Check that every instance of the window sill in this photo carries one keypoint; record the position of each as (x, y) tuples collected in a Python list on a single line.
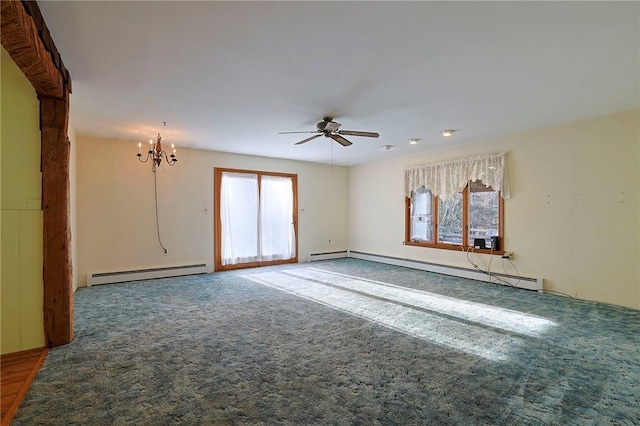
[(454, 247)]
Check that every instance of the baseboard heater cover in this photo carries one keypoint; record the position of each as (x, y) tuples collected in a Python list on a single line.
[(535, 284), (328, 255), (145, 274)]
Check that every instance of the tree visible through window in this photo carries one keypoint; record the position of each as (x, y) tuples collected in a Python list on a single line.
[(450, 227), (484, 212)]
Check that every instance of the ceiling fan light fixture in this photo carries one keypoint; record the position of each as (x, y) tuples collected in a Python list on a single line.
[(413, 141), (387, 147), (447, 132), (330, 126)]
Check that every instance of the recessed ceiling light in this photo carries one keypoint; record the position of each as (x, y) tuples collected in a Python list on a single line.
[(413, 141), (387, 147), (447, 132)]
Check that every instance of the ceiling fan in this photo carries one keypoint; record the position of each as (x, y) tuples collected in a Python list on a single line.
[(330, 129)]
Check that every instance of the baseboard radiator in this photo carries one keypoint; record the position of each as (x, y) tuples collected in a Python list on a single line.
[(535, 284), (145, 274), (328, 255)]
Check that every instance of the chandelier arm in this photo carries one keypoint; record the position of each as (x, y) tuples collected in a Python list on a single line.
[(170, 159), (146, 159)]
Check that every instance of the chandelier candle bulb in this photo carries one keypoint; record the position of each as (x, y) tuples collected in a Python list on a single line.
[(139, 148)]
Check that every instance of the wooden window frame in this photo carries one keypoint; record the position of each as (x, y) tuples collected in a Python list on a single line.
[(465, 227), (217, 181)]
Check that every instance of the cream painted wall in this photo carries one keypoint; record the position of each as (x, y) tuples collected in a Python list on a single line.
[(572, 218), (116, 227), (21, 286), (73, 202)]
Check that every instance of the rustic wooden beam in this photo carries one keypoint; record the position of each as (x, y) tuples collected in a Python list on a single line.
[(57, 270), (26, 38), (21, 37)]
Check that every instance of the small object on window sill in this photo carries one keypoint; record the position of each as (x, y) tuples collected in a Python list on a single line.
[(479, 243)]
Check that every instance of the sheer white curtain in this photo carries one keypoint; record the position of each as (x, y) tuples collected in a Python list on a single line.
[(277, 233), (239, 217)]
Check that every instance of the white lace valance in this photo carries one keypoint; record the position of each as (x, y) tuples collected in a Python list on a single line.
[(447, 178)]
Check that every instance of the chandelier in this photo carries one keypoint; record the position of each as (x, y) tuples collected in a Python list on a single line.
[(156, 154)]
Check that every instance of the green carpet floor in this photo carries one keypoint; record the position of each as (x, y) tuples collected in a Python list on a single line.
[(342, 342)]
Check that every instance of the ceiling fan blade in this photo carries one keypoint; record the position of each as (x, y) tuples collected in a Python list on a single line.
[(356, 133), (288, 133), (342, 141), (308, 139)]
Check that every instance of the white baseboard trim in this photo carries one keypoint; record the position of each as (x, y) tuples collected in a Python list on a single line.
[(328, 255), (535, 284), (145, 274)]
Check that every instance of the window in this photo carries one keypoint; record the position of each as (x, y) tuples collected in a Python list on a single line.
[(449, 220), (455, 223), (421, 216), (484, 213)]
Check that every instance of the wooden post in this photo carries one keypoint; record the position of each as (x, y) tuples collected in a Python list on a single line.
[(26, 38), (57, 270)]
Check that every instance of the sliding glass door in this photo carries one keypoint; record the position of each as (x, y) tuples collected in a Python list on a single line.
[(255, 220)]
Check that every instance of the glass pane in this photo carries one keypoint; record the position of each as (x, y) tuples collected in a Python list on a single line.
[(239, 217), (421, 216), (483, 212), (450, 220), (277, 233)]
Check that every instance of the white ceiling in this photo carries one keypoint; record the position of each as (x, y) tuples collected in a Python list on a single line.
[(228, 76)]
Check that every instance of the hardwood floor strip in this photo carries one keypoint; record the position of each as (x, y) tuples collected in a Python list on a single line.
[(18, 372)]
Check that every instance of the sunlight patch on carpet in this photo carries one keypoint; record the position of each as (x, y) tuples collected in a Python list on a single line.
[(481, 313), (472, 339)]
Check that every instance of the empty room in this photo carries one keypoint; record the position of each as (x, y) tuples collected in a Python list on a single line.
[(320, 213)]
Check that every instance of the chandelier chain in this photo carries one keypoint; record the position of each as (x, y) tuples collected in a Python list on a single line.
[(155, 190)]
